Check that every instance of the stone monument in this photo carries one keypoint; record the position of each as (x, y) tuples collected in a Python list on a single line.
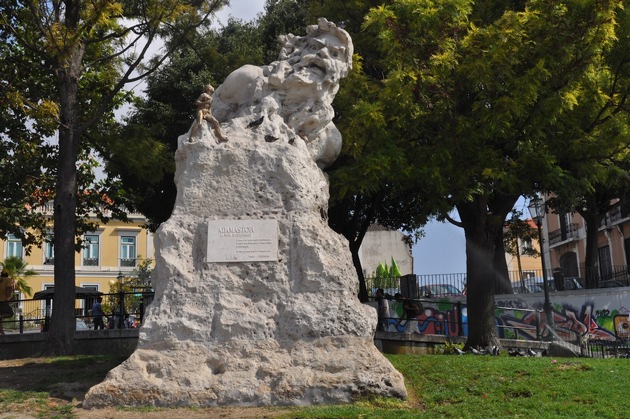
[(255, 296)]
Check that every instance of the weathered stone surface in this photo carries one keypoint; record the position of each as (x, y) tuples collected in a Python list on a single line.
[(285, 332), (293, 96)]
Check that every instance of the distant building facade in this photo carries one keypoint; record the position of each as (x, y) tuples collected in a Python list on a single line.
[(565, 244), (524, 263), (380, 245), (112, 249)]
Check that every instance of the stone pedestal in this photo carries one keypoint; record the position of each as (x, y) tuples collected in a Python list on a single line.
[(285, 332)]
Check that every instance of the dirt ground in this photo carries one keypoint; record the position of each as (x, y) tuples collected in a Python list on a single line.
[(67, 383)]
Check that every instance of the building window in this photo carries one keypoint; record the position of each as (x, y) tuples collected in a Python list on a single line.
[(526, 247), (605, 263), (14, 246), (90, 250), (128, 251), (49, 251), (529, 274)]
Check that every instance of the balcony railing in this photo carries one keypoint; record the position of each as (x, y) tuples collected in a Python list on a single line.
[(90, 261), (616, 215), (563, 234), (128, 263)]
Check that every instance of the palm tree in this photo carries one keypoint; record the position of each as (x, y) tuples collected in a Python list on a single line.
[(16, 268)]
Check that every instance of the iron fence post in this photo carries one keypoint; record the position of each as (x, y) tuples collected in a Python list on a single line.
[(460, 320), (121, 314)]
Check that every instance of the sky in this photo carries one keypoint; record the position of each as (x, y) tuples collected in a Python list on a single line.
[(242, 9)]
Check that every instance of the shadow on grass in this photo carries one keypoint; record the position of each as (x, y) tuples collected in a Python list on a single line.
[(65, 377)]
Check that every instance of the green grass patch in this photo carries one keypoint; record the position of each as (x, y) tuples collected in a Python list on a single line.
[(447, 386)]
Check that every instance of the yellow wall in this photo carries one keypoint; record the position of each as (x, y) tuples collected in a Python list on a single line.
[(531, 266), (108, 257)]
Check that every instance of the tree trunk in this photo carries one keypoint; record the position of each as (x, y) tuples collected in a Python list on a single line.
[(591, 258), (502, 284), (480, 244), (363, 293), (351, 218), (62, 327)]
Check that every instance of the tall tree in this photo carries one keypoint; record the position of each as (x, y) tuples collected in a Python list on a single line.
[(593, 145), (27, 160), (88, 51), (476, 88)]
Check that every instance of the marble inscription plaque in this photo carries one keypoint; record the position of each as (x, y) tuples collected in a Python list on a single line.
[(242, 241)]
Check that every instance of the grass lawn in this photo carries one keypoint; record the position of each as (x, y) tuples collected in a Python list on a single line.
[(448, 386)]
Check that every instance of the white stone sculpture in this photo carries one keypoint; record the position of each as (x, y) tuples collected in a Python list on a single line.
[(295, 93), (278, 322)]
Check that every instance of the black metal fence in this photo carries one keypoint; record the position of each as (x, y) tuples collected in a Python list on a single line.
[(619, 348), (419, 286), (531, 281), (34, 315)]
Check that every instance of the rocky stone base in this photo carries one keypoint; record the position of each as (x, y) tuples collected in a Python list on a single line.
[(326, 370)]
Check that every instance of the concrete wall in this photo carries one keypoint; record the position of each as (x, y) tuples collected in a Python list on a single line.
[(94, 342), (601, 314), (380, 246), (593, 314)]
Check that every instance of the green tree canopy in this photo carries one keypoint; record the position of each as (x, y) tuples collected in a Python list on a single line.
[(476, 92), (593, 144)]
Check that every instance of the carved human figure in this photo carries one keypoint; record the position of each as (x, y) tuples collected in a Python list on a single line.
[(309, 73), (303, 84), (204, 112)]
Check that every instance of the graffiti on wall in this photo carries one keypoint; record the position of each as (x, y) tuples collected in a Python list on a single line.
[(571, 323), (441, 318), (519, 319)]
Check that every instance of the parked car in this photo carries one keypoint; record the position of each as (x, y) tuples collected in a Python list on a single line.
[(440, 290), (526, 289), (570, 284)]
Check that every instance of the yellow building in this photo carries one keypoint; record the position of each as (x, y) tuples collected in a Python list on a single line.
[(530, 266), (113, 248)]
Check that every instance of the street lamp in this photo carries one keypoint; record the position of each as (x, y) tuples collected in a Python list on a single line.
[(537, 211), (121, 300)]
